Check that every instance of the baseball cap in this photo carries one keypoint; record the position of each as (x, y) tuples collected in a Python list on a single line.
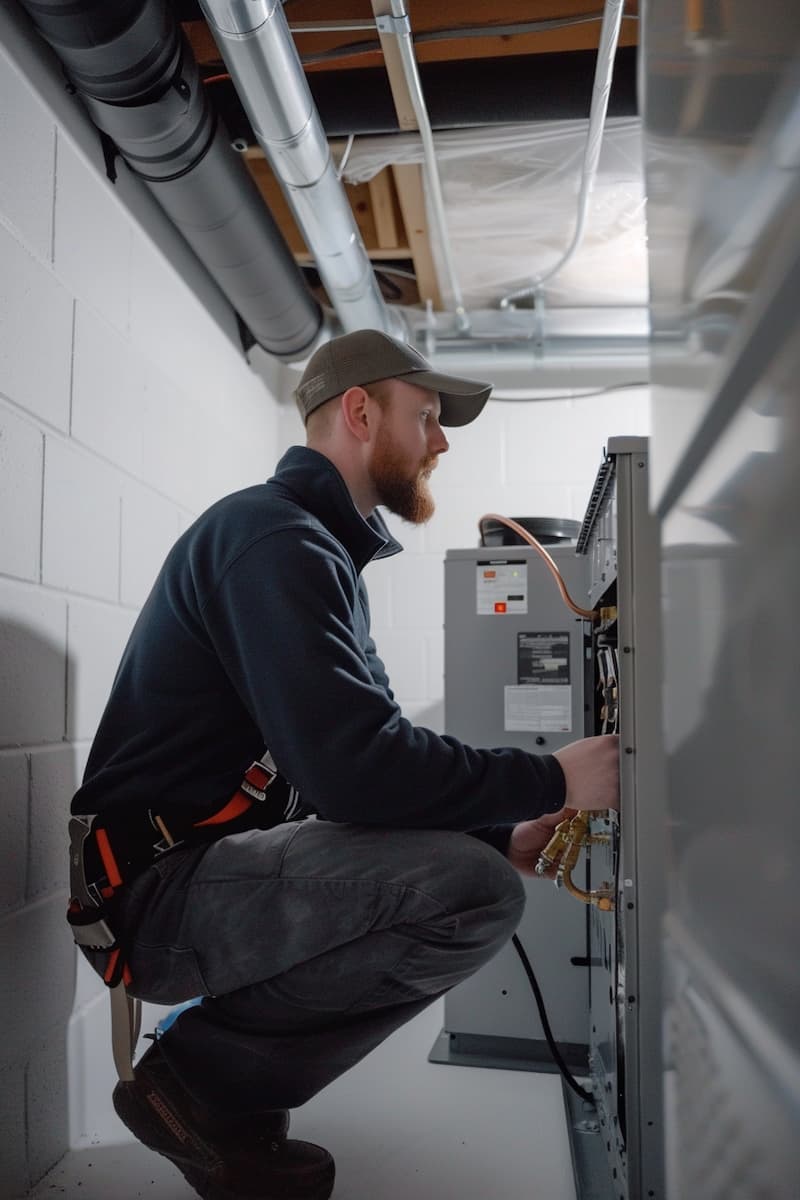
[(366, 356)]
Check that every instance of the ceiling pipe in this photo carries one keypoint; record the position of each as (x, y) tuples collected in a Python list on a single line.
[(137, 77), (254, 40), (518, 372), (398, 25), (604, 70)]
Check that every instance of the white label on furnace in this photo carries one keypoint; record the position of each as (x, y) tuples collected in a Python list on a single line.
[(502, 587), (541, 709)]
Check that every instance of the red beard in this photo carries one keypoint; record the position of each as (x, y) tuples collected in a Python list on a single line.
[(403, 491)]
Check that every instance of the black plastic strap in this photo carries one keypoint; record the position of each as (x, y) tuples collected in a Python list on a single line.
[(110, 152)]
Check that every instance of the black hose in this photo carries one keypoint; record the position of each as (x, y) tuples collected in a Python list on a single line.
[(548, 1033)]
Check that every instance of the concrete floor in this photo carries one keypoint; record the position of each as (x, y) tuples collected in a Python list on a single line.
[(399, 1127)]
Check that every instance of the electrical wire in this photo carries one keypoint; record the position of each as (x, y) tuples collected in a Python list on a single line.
[(589, 614), (343, 160), (569, 1078), (387, 270)]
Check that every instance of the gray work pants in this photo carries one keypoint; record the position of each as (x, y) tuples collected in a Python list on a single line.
[(311, 943)]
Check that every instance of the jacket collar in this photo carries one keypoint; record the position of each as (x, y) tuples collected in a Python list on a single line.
[(312, 480)]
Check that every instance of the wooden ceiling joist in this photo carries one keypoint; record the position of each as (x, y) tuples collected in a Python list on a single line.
[(390, 209), (408, 180)]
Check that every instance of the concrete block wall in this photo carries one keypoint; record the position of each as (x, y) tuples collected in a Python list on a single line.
[(517, 459), (126, 407)]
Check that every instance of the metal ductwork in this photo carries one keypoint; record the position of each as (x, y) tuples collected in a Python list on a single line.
[(259, 52), (139, 80)]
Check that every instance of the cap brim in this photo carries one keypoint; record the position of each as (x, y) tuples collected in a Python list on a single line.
[(462, 399)]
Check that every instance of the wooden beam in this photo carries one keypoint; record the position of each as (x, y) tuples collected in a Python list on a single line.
[(382, 202), (394, 69), (455, 14), (408, 180)]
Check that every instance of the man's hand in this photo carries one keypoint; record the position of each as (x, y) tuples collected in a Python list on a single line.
[(591, 771), (529, 838)]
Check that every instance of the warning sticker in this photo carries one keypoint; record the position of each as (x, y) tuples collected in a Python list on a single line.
[(542, 708), (502, 587), (543, 658)]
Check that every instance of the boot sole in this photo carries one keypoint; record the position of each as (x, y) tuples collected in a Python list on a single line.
[(136, 1115)]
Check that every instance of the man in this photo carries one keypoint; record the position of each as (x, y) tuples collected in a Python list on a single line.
[(310, 939)]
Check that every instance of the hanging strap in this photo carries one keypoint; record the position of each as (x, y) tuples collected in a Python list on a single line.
[(126, 1021)]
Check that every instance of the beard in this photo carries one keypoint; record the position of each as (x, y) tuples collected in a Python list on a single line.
[(403, 491)]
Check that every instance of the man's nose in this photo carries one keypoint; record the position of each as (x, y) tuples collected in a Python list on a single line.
[(439, 442)]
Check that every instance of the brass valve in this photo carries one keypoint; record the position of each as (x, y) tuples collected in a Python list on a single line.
[(563, 851)]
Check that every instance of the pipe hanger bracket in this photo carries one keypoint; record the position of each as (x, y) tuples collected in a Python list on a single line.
[(397, 26)]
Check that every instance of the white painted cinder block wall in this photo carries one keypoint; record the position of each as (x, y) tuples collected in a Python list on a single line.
[(126, 408)]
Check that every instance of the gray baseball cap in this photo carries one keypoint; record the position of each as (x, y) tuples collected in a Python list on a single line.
[(366, 356)]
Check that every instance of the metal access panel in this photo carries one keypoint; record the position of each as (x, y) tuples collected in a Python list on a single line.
[(515, 667), (723, 199), (619, 543)]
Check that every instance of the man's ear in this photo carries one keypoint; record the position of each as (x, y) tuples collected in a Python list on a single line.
[(357, 412)]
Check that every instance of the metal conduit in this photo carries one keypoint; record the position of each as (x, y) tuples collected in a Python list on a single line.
[(137, 76), (606, 51), (399, 25), (259, 52)]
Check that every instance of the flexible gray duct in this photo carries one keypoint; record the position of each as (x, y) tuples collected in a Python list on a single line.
[(135, 72)]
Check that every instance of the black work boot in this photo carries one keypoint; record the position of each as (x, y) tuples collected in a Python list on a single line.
[(222, 1158)]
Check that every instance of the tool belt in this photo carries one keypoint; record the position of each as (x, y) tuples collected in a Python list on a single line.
[(107, 852)]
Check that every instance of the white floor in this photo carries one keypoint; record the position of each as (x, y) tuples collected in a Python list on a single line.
[(399, 1128)]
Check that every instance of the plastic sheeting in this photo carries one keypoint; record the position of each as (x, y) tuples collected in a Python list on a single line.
[(511, 201)]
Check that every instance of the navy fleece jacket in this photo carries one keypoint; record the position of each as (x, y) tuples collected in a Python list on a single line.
[(256, 634)]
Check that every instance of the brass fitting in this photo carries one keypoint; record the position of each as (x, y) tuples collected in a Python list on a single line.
[(554, 848), (563, 850)]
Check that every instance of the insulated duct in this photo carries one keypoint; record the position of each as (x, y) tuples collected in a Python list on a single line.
[(136, 75), (255, 42)]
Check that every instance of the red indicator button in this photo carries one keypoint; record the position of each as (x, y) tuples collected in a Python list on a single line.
[(500, 606)]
